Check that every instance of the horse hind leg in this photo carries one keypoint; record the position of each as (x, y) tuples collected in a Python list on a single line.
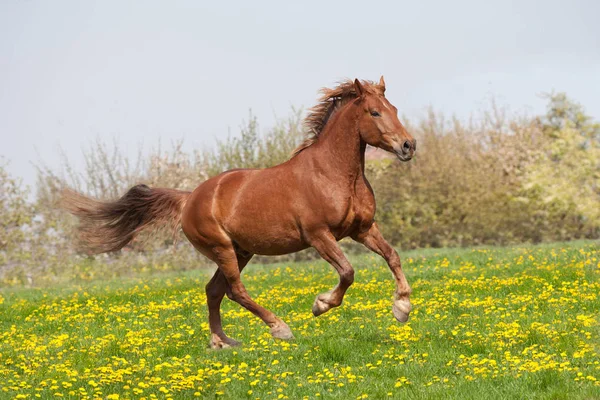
[(228, 263), (216, 288)]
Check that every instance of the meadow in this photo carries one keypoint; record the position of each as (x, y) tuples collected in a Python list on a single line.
[(500, 323)]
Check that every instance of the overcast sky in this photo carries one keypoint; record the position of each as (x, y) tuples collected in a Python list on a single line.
[(142, 70)]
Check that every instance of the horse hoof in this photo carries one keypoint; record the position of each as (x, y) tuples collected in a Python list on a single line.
[(401, 310), (321, 305), (218, 343), (281, 331)]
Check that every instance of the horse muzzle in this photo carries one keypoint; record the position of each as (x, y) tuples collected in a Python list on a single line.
[(406, 150)]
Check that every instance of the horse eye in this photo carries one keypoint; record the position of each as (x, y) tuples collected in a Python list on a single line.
[(375, 114)]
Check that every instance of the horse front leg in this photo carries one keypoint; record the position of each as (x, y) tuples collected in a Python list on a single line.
[(330, 251), (374, 241)]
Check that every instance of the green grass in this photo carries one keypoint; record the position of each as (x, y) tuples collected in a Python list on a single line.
[(494, 323)]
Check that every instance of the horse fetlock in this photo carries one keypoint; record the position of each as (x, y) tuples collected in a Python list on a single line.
[(401, 309)]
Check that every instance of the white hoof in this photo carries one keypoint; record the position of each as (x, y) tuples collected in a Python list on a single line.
[(401, 310), (321, 304), (281, 331)]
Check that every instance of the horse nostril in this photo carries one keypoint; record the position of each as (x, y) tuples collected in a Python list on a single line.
[(406, 146)]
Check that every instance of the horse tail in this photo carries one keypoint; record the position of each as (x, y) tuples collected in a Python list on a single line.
[(109, 226)]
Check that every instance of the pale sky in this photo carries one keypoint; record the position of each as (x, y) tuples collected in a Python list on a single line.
[(141, 71)]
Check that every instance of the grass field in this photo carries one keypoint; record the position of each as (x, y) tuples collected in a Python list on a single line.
[(494, 323)]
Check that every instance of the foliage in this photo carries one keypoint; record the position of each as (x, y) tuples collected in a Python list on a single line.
[(494, 181), (564, 179), (16, 218), (251, 150)]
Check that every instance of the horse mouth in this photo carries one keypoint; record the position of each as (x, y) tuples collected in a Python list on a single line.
[(404, 157)]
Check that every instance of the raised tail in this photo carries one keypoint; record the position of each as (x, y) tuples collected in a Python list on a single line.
[(109, 226)]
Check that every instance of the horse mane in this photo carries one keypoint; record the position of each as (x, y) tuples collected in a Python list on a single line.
[(330, 101)]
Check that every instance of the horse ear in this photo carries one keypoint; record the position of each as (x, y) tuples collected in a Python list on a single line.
[(382, 83), (358, 87)]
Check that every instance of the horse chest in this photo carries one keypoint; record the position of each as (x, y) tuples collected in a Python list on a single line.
[(359, 210)]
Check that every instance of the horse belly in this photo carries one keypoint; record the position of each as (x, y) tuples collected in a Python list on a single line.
[(267, 237)]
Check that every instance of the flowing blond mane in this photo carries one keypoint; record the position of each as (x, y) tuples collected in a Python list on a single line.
[(330, 101)]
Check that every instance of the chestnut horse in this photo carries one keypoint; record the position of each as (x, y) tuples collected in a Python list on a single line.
[(317, 197)]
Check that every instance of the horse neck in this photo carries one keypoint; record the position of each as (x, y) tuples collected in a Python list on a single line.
[(340, 146)]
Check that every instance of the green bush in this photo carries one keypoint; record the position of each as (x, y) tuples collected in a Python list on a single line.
[(16, 216)]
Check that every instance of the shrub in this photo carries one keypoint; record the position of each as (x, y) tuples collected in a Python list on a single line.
[(496, 181)]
